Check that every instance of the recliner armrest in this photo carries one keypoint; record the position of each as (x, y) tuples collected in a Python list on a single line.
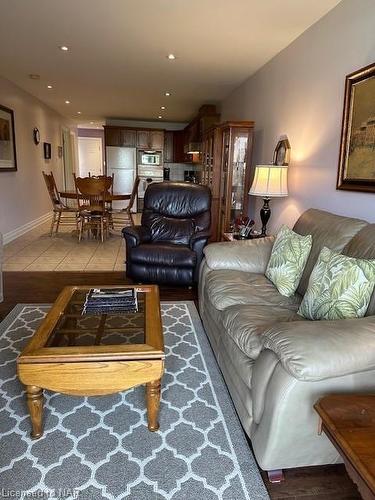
[(199, 237), (242, 255), (197, 243), (318, 350), (136, 235)]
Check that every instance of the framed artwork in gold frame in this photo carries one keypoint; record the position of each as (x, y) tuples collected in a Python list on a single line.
[(8, 158), (356, 170)]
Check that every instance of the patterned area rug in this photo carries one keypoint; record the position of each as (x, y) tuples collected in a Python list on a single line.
[(100, 447)]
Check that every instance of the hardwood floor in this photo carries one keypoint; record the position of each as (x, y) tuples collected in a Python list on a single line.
[(306, 483)]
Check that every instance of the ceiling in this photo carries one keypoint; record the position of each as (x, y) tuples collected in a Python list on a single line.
[(116, 65)]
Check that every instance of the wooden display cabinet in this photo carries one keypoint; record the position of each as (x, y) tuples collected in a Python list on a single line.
[(226, 156), (236, 150), (211, 162)]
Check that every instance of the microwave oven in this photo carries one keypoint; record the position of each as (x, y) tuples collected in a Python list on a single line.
[(153, 158)]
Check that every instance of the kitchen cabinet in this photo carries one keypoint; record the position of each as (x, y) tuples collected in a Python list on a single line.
[(150, 139), (179, 155), (112, 136), (156, 139), (117, 136), (194, 132), (128, 138), (143, 138), (168, 147)]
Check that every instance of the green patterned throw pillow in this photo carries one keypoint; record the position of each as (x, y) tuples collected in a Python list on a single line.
[(339, 287), (288, 259)]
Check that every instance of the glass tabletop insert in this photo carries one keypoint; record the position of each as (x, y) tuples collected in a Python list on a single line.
[(76, 328)]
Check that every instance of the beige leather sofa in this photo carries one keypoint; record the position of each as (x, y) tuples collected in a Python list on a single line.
[(275, 363), (1, 267)]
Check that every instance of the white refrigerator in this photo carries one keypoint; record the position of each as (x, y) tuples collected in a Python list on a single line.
[(122, 163)]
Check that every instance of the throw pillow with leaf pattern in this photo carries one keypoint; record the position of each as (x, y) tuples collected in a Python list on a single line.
[(340, 287), (288, 259)]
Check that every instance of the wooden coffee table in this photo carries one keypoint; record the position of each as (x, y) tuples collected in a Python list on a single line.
[(91, 355), (349, 422)]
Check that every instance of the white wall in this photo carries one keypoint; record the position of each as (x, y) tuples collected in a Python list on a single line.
[(23, 194), (300, 93)]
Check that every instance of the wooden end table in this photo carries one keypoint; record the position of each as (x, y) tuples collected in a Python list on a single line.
[(349, 423), (91, 355), (230, 237)]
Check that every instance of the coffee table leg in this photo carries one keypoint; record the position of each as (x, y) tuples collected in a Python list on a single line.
[(35, 404), (153, 404)]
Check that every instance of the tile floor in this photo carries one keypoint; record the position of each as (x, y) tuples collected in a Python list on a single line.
[(37, 251)]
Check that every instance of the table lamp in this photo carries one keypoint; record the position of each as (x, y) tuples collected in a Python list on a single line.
[(270, 181)]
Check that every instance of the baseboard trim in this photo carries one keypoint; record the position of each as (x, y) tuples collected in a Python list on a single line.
[(19, 231)]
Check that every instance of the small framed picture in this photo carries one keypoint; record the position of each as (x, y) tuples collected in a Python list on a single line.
[(8, 160), (47, 150), (60, 151), (281, 155)]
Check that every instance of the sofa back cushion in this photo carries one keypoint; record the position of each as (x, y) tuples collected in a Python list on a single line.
[(327, 230), (362, 246)]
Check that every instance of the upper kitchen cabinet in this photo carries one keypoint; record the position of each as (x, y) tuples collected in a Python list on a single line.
[(117, 136), (157, 139), (179, 155), (168, 147), (112, 136), (150, 139), (128, 138), (143, 138), (194, 132)]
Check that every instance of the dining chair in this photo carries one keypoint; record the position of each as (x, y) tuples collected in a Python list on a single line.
[(124, 217), (91, 199), (62, 213), (110, 179)]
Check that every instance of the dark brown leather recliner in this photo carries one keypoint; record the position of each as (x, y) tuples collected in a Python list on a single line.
[(168, 247)]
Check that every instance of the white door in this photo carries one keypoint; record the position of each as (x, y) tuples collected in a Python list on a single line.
[(90, 156)]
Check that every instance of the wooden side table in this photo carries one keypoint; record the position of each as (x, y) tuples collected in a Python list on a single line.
[(349, 423)]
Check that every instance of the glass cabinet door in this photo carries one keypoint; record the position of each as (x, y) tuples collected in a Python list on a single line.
[(238, 168)]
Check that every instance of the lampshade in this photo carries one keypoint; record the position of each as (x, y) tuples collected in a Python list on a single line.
[(270, 181)]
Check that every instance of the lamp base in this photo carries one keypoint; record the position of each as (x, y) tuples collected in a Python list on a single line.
[(265, 213)]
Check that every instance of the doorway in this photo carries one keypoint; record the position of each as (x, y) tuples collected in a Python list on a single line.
[(90, 156), (69, 156)]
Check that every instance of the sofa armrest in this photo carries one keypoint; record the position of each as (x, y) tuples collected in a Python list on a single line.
[(318, 350), (247, 255), (136, 235)]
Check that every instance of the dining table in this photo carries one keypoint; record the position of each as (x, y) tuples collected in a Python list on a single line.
[(72, 195)]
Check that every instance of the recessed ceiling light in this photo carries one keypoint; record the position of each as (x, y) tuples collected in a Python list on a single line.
[(91, 123), (171, 57), (49, 86), (162, 107), (34, 76), (79, 113), (160, 117), (67, 102), (167, 94), (64, 48)]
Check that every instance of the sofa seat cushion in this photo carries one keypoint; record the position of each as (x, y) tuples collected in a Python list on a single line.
[(164, 254), (227, 288), (245, 324)]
